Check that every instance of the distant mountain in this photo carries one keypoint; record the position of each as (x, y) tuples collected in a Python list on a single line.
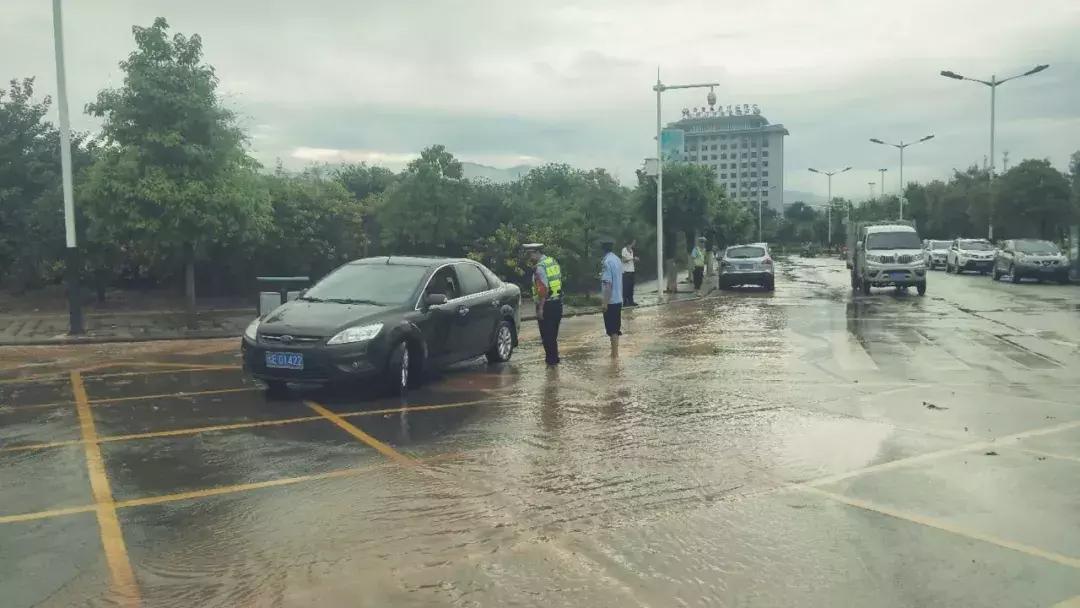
[(791, 196), (493, 174)]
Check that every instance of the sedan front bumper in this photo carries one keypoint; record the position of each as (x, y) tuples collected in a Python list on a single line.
[(901, 277), (321, 363)]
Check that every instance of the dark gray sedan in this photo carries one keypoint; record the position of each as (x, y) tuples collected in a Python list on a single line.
[(1034, 258), (388, 318)]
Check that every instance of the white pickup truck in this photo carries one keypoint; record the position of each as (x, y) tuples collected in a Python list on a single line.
[(886, 254)]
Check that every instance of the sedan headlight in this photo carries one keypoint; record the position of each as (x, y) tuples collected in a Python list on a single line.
[(873, 259), (356, 334), (251, 333)]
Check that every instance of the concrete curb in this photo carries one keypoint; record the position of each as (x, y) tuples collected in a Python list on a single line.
[(65, 340)]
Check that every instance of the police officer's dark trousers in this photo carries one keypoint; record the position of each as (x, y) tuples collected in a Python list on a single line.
[(549, 330)]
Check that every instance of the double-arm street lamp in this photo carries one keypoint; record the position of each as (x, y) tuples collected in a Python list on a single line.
[(71, 257), (828, 207), (993, 84), (660, 88), (900, 146)]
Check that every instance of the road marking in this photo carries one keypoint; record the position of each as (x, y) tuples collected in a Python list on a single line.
[(978, 445), (166, 371), (123, 585), (239, 425), (349, 428), (1046, 454), (109, 401), (7, 519), (930, 522)]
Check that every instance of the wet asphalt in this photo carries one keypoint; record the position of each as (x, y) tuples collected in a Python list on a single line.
[(807, 447)]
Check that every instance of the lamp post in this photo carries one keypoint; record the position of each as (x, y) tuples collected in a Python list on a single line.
[(71, 257), (900, 146), (660, 88), (993, 83), (882, 189), (828, 207), (871, 184)]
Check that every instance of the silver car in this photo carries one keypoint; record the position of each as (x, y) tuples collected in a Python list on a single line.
[(935, 253), (747, 265), (1035, 258)]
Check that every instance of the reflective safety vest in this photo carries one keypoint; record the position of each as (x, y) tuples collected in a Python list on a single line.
[(551, 270)]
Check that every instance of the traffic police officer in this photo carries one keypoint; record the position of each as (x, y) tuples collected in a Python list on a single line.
[(547, 293)]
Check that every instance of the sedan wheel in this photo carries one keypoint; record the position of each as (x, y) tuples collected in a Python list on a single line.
[(397, 370), (503, 348)]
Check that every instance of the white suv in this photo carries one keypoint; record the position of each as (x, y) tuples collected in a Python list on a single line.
[(970, 254)]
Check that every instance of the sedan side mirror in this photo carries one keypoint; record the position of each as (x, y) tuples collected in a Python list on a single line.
[(434, 299)]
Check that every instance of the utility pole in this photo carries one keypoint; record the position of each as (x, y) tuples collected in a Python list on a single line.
[(72, 263), (828, 208), (882, 171)]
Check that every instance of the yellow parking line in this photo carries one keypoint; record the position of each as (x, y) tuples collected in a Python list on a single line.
[(346, 426), (238, 425), (181, 394), (1064, 560), (7, 519), (182, 370), (112, 537)]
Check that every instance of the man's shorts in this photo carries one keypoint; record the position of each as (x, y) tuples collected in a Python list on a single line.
[(613, 319)]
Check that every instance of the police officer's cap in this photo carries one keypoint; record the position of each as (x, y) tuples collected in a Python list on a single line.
[(533, 246)]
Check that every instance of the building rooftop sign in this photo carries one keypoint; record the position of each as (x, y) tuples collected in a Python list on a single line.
[(711, 112)]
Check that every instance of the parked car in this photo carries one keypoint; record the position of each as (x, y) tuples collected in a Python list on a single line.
[(970, 254), (935, 253), (1036, 258), (388, 318), (747, 265)]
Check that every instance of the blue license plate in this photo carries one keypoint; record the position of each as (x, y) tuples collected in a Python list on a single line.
[(898, 276), (285, 360)]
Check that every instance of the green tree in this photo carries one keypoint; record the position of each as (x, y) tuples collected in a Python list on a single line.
[(427, 210), (174, 176), (31, 203), (1033, 198)]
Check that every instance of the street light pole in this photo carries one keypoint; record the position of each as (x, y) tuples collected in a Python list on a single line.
[(993, 83), (882, 190), (900, 146), (828, 206), (71, 258), (660, 87)]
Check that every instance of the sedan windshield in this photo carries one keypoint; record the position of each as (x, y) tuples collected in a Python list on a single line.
[(1040, 247), (976, 246), (380, 284), (939, 244), (893, 240), (742, 253)]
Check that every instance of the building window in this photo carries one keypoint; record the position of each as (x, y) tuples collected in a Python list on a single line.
[(723, 156), (744, 165), (765, 143), (753, 174), (764, 182), (764, 174), (765, 153), (745, 155), (723, 146), (753, 155), (713, 147), (735, 146), (713, 157), (764, 163), (745, 174), (723, 176), (753, 144), (753, 163)]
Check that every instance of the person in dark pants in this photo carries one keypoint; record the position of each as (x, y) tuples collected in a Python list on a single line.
[(628, 262), (697, 258), (611, 291), (547, 294)]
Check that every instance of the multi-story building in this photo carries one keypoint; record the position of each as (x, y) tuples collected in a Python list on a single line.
[(746, 151)]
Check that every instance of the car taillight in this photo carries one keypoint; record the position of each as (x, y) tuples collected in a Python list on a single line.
[(767, 261)]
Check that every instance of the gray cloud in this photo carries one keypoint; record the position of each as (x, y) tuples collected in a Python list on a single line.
[(569, 81)]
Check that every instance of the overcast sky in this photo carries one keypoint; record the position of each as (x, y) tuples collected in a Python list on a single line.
[(504, 83)]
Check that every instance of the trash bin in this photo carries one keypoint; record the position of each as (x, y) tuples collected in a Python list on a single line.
[(285, 289)]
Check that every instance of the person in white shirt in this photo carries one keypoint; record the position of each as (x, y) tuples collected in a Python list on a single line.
[(628, 259)]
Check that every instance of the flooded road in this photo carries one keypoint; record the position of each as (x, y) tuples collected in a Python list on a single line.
[(805, 447)]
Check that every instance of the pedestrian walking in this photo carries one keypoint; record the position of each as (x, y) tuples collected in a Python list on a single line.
[(611, 290), (697, 258), (628, 262), (547, 294)]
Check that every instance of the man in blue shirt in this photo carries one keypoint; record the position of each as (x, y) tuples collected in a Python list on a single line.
[(611, 293)]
